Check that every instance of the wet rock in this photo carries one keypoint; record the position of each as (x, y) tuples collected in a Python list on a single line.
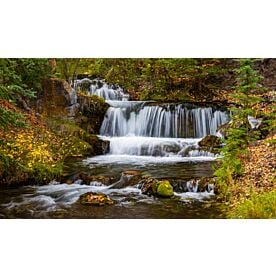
[(148, 185), (106, 180), (99, 146), (92, 111), (223, 129), (151, 186), (254, 122), (129, 200), (164, 189), (210, 143), (206, 184), (128, 178), (70, 179), (185, 150), (194, 185), (96, 199)]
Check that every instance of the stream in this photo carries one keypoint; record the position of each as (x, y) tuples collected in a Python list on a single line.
[(156, 140)]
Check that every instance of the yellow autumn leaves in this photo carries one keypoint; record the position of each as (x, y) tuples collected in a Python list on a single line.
[(27, 147)]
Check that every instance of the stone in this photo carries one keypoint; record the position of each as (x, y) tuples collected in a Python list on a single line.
[(164, 189), (128, 178), (254, 122), (210, 143), (148, 186), (106, 180), (96, 199), (99, 146), (92, 110), (58, 99), (151, 186)]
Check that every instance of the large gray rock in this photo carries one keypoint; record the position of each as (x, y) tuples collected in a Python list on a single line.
[(57, 99)]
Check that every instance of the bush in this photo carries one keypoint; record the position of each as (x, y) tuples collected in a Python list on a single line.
[(257, 206)]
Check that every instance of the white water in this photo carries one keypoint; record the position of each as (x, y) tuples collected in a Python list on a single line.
[(102, 89), (155, 146), (141, 132), (161, 121), (56, 196)]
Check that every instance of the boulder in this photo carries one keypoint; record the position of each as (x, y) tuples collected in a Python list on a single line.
[(128, 178), (151, 186), (92, 110), (164, 189), (106, 180), (96, 199), (57, 99), (210, 143), (200, 184), (99, 146), (148, 185)]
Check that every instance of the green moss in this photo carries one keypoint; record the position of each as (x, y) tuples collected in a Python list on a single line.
[(43, 173), (257, 206), (91, 104), (64, 127), (164, 188)]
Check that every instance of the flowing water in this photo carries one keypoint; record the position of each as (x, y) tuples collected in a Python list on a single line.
[(157, 140)]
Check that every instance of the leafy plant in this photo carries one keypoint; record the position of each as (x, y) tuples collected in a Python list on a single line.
[(238, 135), (20, 79), (256, 206)]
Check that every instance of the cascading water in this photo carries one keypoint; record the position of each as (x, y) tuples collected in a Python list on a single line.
[(142, 128), (100, 88), (172, 121), (150, 139)]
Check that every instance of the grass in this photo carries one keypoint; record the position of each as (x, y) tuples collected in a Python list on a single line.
[(258, 206)]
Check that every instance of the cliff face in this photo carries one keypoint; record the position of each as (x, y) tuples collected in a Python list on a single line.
[(59, 101)]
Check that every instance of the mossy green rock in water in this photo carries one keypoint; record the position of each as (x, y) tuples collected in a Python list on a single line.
[(164, 189), (151, 186), (91, 198)]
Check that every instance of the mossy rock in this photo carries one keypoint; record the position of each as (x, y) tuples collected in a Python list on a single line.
[(91, 198), (210, 141), (164, 188), (151, 186)]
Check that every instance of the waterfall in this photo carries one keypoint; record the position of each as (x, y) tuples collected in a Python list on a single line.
[(162, 121), (143, 128), (102, 89)]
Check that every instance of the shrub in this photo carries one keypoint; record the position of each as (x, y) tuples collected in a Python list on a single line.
[(257, 206)]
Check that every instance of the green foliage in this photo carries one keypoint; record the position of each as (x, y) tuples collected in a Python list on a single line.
[(245, 91), (162, 79), (22, 76), (238, 135), (9, 118), (257, 206), (67, 68), (43, 173), (20, 79)]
